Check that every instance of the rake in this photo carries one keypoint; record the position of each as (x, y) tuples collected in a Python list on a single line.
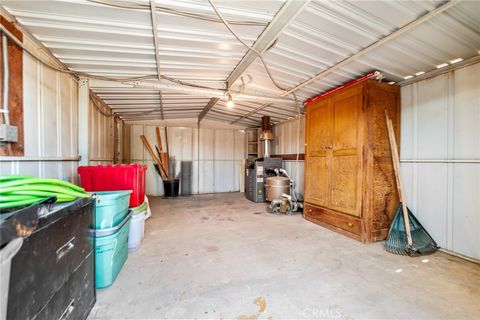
[(406, 235)]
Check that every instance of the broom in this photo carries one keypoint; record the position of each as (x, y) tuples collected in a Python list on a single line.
[(406, 235)]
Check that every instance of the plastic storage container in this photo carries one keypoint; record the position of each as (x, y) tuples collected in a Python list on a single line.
[(111, 251), (6, 255), (137, 226), (111, 208), (115, 177)]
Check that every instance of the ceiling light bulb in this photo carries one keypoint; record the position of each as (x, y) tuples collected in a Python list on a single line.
[(391, 82), (455, 60), (230, 103), (442, 65), (419, 73), (407, 77)]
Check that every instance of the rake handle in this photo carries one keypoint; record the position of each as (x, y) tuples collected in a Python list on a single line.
[(398, 179)]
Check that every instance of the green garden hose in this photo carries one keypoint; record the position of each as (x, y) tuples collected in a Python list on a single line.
[(41, 181), (15, 177), (21, 190), (44, 187), (44, 194)]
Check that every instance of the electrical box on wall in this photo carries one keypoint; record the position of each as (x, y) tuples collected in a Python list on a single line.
[(8, 133)]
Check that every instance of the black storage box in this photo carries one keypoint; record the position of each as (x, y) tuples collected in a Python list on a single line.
[(53, 273)]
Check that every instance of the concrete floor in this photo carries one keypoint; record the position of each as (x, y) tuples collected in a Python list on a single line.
[(221, 257)]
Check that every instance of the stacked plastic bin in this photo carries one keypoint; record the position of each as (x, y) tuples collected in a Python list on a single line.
[(118, 188), (137, 226), (116, 177), (112, 225)]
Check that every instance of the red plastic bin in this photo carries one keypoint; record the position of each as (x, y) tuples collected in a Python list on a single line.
[(115, 177)]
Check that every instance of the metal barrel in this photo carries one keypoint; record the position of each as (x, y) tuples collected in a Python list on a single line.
[(275, 187)]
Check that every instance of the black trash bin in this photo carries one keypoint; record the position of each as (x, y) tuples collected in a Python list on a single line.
[(171, 187)]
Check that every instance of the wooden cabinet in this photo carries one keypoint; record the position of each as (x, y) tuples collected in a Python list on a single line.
[(349, 180)]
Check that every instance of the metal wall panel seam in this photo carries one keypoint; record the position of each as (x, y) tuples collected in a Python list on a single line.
[(58, 123), (40, 119), (415, 146), (450, 166), (214, 159), (234, 173)]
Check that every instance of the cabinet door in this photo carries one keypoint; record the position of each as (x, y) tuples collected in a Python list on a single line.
[(319, 142), (346, 163)]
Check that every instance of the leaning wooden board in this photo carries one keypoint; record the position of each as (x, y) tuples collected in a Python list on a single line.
[(349, 179)]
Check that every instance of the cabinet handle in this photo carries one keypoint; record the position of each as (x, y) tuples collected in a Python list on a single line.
[(329, 147), (66, 248), (68, 311), (350, 224)]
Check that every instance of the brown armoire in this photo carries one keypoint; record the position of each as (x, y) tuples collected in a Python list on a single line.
[(349, 180)]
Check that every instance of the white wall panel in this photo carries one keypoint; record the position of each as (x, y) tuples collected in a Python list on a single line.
[(240, 138), (136, 146), (466, 203), (50, 122), (216, 161), (101, 137), (206, 177), (287, 140), (206, 144), (467, 113), (440, 123), (224, 144)]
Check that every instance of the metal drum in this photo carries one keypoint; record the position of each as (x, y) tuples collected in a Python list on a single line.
[(275, 187)]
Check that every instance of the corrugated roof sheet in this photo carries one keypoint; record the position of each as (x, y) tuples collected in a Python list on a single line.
[(112, 41)]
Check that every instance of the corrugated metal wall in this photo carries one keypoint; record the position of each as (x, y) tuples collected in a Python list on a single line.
[(441, 135), (285, 142), (101, 137), (50, 122), (217, 166)]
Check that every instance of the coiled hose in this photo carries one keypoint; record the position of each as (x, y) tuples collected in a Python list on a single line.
[(22, 190)]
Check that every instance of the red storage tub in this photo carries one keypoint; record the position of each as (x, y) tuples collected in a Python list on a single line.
[(115, 177)]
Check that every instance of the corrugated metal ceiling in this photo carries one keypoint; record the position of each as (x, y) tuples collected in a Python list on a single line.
[(111, 41)]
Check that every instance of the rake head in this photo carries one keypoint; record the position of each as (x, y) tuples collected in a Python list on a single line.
[(396, 242)]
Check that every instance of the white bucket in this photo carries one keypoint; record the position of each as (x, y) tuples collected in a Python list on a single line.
[(137, 229)]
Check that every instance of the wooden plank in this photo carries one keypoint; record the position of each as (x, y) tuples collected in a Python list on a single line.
[(15, 60), (152, 153)]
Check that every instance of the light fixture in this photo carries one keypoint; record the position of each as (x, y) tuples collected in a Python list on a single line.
[(455, 60), (230, 103), (419, 73), (407, 77), (391, 82), (442, 65)]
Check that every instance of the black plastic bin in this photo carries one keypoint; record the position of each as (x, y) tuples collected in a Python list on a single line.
[(171, 188), (54, 269)]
